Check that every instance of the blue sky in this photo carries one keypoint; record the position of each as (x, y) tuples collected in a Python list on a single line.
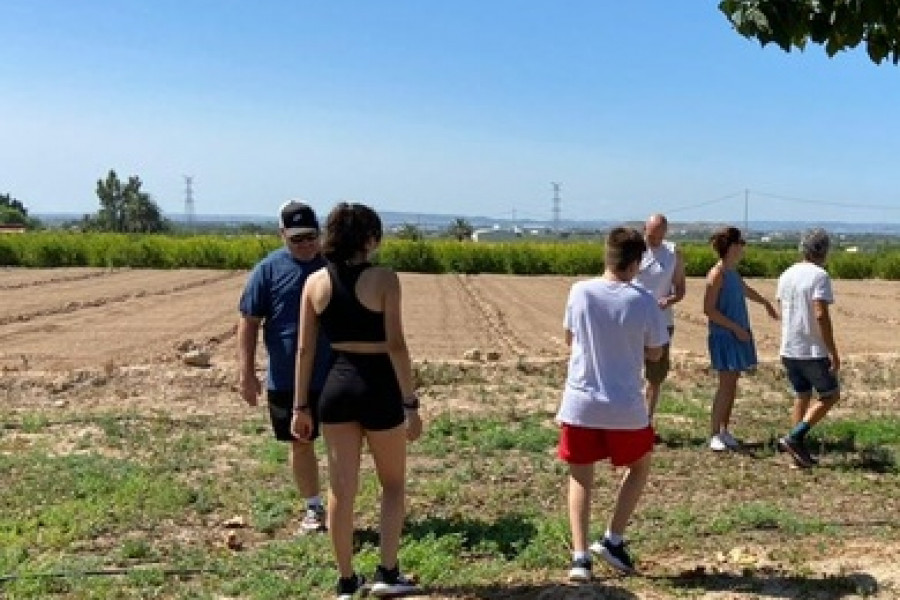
[(470, 107)]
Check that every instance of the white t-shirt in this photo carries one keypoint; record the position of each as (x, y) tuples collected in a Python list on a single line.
[(656, 273), (798, 287), (611, 323)]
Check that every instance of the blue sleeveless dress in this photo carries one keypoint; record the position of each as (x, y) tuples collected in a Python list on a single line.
[(726, 352)]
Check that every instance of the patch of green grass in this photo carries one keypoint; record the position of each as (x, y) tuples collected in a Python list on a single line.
[(80, 496), (487, 501), (34, 423), (485, 434), (271, 509), (762, 516), (861, 432)]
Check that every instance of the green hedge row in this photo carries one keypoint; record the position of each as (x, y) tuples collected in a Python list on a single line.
[(54, 249)]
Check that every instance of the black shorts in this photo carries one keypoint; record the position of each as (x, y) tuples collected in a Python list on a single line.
[(362, 388), (281, 411)]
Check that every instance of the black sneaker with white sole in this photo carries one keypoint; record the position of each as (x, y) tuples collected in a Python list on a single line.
[(797, 450), (347, 587), (391, 583), (580, 571), (615, 556)]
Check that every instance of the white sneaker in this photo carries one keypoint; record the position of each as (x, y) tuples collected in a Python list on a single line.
[(314, 521), (729, 440), (716, 444)]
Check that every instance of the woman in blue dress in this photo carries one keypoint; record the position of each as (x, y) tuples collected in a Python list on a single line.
[(731, 347)]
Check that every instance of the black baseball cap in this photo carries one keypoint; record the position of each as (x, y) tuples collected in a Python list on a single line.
[(297, 218)]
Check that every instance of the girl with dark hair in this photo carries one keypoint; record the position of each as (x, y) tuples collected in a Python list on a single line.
[(368, 396), (731, 346)]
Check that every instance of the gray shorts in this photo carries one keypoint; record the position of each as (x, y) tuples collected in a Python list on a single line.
[(656, 371), (808, 374)]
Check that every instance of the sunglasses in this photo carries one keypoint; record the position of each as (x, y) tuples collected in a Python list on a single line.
[(304, 238)]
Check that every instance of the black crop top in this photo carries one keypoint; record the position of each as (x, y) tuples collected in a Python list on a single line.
[(345, 319)]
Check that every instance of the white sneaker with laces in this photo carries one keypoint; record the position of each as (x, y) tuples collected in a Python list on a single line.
[(716, 444)]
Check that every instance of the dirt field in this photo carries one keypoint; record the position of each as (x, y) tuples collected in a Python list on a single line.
[(90, 339), (63, 319)]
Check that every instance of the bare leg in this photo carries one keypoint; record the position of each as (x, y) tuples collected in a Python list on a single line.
[(305, 468), (344, 443), (819, 409), (389, 451), (724, 401), (651, 394), (581, 479), (630, 490), (801, 405)]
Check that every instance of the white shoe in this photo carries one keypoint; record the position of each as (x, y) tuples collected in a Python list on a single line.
[(729, 440), (716, 444)]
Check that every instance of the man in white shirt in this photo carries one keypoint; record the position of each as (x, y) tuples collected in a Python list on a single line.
[(612, 325), (662, 274), (808, 351)]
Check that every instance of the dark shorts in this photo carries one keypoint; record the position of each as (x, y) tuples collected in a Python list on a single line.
[(281, 411), (362, 388), (585, 445), (656, 371), (807, 374)]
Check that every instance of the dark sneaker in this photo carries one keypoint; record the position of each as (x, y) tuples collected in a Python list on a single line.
[(347, 587), (580, 571), (314, 520), (797, 451), (615, 555), (391, 582)]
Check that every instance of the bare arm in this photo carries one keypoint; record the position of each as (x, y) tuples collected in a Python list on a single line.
[(399, 354), (760, 299), (679, 283), (823, 317), (396, 340), (307, 335), (248, 335)]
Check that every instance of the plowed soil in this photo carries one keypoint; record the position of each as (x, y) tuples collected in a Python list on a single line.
[(52, 320)]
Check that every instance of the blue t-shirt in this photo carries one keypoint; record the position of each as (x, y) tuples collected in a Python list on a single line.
[(273, 293)]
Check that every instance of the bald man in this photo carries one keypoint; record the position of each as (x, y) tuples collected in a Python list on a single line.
[(662, 274)]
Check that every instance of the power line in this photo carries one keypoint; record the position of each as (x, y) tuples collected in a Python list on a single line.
[(706, 203), (824, 202)]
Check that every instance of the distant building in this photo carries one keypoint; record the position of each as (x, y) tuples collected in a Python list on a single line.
[(496, 234), (12, 228)]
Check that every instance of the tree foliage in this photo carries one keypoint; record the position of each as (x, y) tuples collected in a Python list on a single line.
[(460, 229), (409, 232), (835, 24), (125, 208), (13, 212)]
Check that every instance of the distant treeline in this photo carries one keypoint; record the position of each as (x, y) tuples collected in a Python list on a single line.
[(57, 249)]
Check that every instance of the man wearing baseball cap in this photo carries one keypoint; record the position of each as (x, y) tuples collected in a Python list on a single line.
[(271, 301)]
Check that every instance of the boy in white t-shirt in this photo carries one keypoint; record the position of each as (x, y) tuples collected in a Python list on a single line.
[(611, 325), (808, 351)]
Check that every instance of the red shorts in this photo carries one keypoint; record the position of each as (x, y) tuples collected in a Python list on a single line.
[(585, 445)]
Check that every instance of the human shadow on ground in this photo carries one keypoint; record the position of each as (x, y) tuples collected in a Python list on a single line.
[(506, 536), (598, 590), (844, 453), (773, 583)]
